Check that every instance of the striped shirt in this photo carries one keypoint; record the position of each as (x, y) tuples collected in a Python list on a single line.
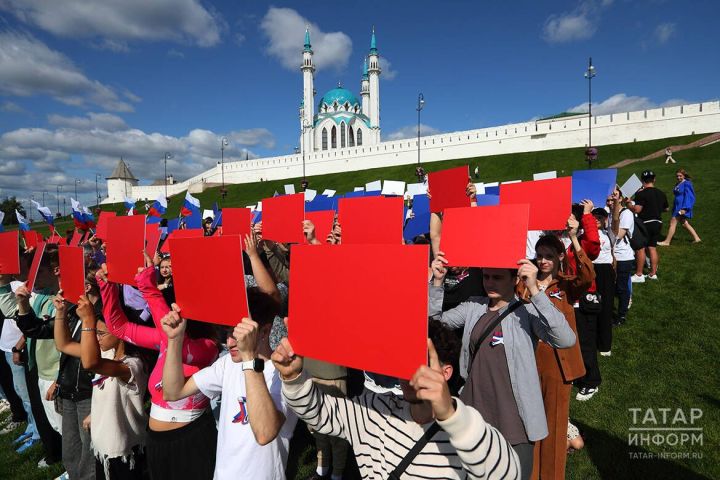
[(381, 431)]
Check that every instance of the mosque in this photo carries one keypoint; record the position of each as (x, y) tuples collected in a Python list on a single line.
[(341, 120)]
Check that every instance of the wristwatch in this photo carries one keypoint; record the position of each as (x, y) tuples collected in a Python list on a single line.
[(16, 350), (256, 365)]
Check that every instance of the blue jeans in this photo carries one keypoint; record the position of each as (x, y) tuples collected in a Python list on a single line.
[(622, 285), (18, 373)]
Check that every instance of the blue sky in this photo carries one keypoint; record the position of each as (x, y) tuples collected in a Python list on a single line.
[(82, 85)]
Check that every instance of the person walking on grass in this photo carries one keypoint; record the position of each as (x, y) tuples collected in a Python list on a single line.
[(682, 207), (668, 154), (649, 204)]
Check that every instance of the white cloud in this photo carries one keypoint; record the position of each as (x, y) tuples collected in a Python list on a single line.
[(664, 32), (578, 24), (12, 107), (388, 73), (172, 53), (285, 30), (116, 22), (411, 131), (621, 102), (102, 121), (29, 67)]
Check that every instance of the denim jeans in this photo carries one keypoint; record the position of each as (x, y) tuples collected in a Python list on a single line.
[(18, 373), (77, 455), (622, 285)]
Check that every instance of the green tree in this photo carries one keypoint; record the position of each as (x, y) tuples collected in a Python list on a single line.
[(8, 206)]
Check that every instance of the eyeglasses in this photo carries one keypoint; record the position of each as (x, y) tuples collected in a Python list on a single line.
[(101, 333)]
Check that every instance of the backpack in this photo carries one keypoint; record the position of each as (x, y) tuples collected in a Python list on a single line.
[(639, 238)]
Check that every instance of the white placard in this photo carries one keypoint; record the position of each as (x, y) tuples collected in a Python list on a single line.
[(310, 194), (512, 181), (359, 189), (259, 207), (393, 187), (289, 189), (208, 213), (630, 187), (373, 186), (544, 175), (416, 189), (480, 188), (328, 193)]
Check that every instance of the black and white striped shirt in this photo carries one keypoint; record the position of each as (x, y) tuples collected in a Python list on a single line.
[(381, 431)]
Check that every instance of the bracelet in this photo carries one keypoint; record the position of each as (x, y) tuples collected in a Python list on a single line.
[(88, 329)]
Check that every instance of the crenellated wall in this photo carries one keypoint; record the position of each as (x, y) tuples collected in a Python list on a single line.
[(532, 136)]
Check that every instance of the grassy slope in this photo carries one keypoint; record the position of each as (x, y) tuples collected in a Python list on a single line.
[(665, 356)]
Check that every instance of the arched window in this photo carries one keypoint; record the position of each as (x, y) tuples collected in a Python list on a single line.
[(351, 136), (359, 137), (342, 135), (333, 137), (324, 138)]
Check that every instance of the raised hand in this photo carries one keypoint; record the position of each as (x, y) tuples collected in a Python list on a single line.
[(309, 231), (59, 304), (251, 246), (572, 226), (101, 273), (587, 205), (85, 308), (287, 363), (173, 324), (430, 385), (471, 189), (245, 334), (527, 272), (439, 269)]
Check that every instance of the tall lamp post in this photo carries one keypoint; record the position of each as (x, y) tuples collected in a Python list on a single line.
[(44, 192), (59, 187), (420, 105), (589, 74), (166, 157), (223, 143), (97, 190), (76, 184)]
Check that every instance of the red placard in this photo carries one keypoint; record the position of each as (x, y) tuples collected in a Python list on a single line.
[(72, 272), (152, 238), (54, 237), (35, 265), (30, 237), (76, 238), (492, 237), (447, 188), (101, 229), (9, 252), (371, 220), (351, 326), (236, 221), (282, 218), (124, 248), (209, 266), (184, 233), (323, 221), (549, 201)]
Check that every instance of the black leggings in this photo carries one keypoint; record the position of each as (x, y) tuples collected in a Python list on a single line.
[(187, 452)]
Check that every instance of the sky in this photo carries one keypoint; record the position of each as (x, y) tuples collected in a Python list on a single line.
[(85, 83)]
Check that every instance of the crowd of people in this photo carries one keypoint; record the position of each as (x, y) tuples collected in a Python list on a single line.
[(117, 384)]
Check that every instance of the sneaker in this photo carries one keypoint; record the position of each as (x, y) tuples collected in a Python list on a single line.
[(619, 322), (606, 354), (652, 277), (663, 244), (10, 427), (64, 476), (4, 406), (27, 445), (637, 278), (585, 394), (22, 438)]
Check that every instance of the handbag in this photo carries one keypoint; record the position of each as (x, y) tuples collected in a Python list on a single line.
[(591, 303)]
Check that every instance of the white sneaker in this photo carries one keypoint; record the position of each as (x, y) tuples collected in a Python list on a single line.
[(43, 463), (652, 277), (586, 394), (10, 427), (637, 278), (606, 354), (64, 476), (4, 406)]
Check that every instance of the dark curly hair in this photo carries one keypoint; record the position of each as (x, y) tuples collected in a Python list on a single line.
[(447, 344)]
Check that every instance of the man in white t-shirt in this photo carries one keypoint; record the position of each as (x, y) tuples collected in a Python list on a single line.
[(623, 226), (255, 424)]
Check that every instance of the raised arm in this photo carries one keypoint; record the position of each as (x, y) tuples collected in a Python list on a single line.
[(27, 321), (590, 241), (175, 385), (63, 340), (264, 280), (147, 284)]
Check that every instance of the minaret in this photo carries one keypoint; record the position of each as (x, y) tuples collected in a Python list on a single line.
[(365, 89), (374, 80), (308, 105)]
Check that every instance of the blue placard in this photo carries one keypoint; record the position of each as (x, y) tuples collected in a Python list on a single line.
[(487, 200), (421, 204), (587, 189), (321, 202), (361, 193), (606, 176), (418, 225)]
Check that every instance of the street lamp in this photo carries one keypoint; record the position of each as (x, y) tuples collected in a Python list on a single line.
[(223, 143), (76, 184), (166, 157), (420, 105), (44, 192), (589, 74), (59, 187), (97, 190)]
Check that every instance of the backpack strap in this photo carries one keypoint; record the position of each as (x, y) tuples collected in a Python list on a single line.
[(414, 451), (513, 306)]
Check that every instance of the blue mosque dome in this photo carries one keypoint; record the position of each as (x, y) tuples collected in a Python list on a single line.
[(339, 95)]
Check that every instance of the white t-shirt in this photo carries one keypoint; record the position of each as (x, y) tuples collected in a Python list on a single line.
[(10, 332), (623, 250), (605, 255), (238, 454)]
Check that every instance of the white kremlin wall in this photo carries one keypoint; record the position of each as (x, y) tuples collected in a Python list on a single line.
[(531, 136)]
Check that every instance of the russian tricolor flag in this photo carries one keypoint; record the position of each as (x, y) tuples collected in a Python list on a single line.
[(78, 217), (45, 212), (191, 206), (88, 217), (158, 207), (22, 221), (2, 217), (130, 206)]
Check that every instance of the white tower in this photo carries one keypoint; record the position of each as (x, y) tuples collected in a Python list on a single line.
[(308, 105), (120, 183), (365, 89), (374, 80)]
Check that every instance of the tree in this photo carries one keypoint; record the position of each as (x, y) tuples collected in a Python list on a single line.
[(8, 206)]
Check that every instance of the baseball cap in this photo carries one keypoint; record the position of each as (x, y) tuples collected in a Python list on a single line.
[(647, 175)]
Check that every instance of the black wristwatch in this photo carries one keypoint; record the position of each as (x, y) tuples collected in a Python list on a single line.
[(15, 350), (256, 365)]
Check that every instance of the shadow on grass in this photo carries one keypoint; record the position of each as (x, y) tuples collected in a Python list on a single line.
[(614, 459)]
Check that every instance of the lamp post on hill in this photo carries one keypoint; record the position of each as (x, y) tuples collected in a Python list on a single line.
[(420, 105), (590, 153), (166, 157), (97, 190), (223, 143), (59, 187), (76, 184)]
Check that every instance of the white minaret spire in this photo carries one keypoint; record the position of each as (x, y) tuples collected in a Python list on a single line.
[(365, 89), (374, 80), (308, 105)]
